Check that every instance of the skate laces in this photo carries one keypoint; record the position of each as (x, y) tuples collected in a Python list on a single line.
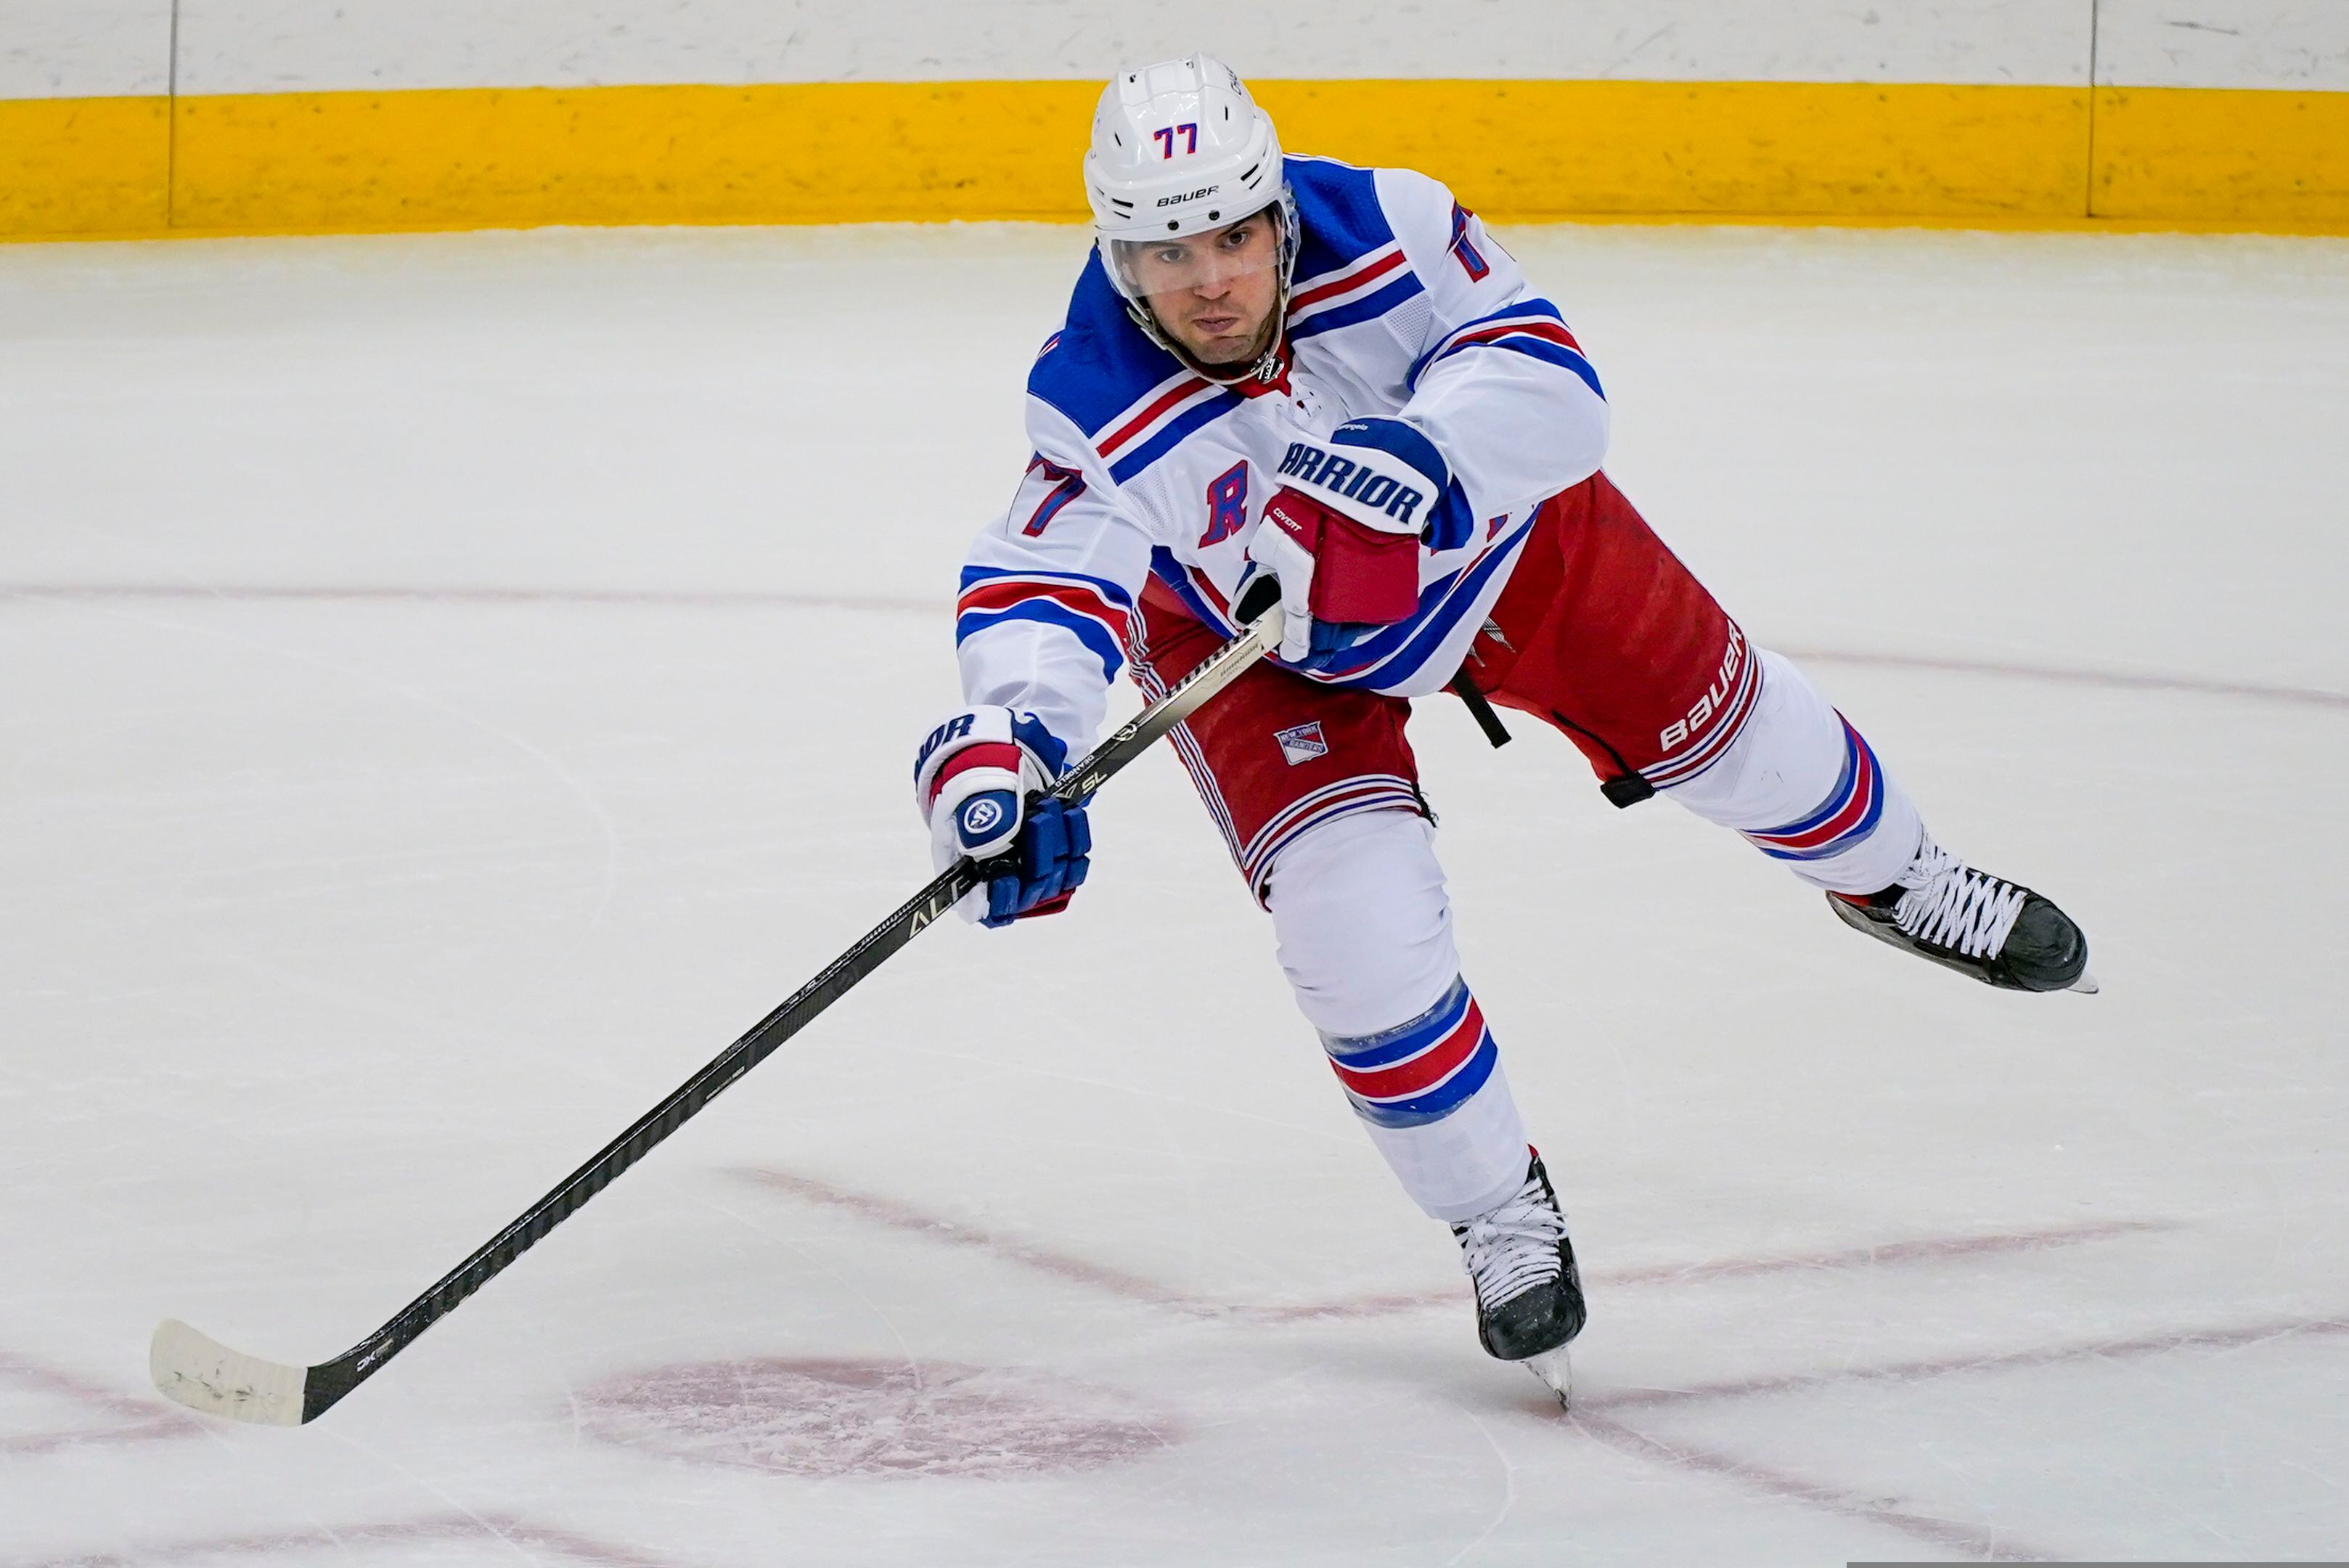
[(1952, 905), (1511, 1249)]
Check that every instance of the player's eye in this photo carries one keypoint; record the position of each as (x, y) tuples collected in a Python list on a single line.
[(1237, 236)]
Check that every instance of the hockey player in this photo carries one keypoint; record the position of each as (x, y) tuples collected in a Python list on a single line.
[(1293, 366)]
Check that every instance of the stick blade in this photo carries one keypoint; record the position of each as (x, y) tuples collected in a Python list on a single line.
[(204, 1375)]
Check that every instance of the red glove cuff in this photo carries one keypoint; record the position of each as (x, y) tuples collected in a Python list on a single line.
[(1359, 574), (1003, 754)]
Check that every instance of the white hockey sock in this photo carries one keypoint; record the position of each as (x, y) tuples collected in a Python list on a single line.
[(1365, 936), (1804, 787)]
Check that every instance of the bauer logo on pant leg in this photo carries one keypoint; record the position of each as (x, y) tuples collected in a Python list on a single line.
[(1303, 743), (1715, 700)]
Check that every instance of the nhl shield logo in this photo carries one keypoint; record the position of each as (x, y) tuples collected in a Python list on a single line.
[(1303, 743)]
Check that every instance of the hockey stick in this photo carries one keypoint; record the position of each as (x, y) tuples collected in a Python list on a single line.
[(205, 1374)]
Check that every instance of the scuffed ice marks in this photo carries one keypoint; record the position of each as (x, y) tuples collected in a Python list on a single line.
[(842, 1418)]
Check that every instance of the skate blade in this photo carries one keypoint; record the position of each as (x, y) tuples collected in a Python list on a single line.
[(1554, 1373), (2085, 985)]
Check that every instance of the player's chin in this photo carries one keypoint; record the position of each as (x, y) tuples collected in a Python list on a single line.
[(1224, 351)]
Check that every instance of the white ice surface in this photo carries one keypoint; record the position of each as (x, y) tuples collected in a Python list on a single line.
[(454, 684)]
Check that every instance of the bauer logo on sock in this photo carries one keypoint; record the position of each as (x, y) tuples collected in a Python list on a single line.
[(1303, 743)]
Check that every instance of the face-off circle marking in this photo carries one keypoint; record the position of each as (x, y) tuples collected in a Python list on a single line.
[(827, 1419)]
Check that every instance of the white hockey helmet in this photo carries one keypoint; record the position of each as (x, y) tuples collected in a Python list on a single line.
[(1180, 148)]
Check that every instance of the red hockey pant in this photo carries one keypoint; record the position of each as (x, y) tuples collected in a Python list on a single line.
[(1601, 632)]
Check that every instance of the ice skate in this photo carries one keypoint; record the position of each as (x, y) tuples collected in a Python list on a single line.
[(2000, 932), (1528, 1293)]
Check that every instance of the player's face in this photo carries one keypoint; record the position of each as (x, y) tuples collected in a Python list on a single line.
[(1213, 293)]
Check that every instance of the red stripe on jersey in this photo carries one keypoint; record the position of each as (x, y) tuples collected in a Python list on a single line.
[(1002, 594), (1539, 327), (1337, 286), (1133, 426), (1207, 590)]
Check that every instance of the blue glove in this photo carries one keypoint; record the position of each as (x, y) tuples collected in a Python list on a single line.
[(978, 783), (1044, 867)]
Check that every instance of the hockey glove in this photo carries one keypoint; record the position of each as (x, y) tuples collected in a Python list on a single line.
[(1343, 535), (976, 782)]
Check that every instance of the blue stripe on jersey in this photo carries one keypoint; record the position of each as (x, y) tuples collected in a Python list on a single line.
[(1541, 348), (1508, 312), (1360, 1053), (1370, 307), (1392, 655), (1172, 433), (1338, 218), (1050, 612), (1169, 571), (974, 575), (1557, 354), (1435, 627)]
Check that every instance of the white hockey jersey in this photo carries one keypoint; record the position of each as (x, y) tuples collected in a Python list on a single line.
[(1401, 307)]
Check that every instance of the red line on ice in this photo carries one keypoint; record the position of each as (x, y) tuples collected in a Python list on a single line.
[(1596, 1414), (1983, 1541), (489, 1527), (143, 1420), (764, 599), (901, 1216), (2155, 1343), (931, 1227)]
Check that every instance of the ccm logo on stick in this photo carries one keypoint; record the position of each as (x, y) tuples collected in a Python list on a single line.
[(1344, 476)]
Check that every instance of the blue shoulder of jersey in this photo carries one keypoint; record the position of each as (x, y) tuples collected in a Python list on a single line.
[(1134, 401), (1099, 363), (1350, 267), (1338, 213)]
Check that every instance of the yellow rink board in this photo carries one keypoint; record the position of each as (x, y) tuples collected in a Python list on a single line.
[(2197, 152), (842, 152), (80, 166)]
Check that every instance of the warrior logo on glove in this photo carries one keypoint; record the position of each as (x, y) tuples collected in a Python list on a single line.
[(981, 817), (1357, 482)]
